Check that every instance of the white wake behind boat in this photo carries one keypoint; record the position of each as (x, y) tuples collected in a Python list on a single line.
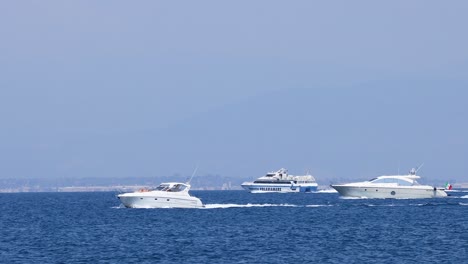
[(281, 181), (166, 195), (394, 186)]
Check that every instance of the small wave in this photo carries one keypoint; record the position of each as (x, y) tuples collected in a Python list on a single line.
[(428, 204), (464, 204), (387, 205), (464, 197), (431, 204), (223, 206), (435, 204), (318, 205)]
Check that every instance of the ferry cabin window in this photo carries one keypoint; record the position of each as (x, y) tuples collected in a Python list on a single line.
[(269, 189)]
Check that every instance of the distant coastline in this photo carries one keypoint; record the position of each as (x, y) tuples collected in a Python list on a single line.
[(130, 188), (99, 189), (107, 184)]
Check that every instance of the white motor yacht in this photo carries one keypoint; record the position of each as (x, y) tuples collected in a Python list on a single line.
[(281, 181), (166, 195), (395, 186)]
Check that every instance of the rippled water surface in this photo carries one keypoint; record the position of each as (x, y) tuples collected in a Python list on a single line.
[(235, 227)]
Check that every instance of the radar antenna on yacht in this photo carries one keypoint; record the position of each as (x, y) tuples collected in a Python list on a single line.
[(413, 171), (193, 174)]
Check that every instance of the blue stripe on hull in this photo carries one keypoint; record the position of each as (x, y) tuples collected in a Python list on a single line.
[(280, 188)]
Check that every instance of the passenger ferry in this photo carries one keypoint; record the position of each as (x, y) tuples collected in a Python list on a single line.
[(281, 181)]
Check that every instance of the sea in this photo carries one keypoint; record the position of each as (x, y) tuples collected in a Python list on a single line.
[(235, 227)]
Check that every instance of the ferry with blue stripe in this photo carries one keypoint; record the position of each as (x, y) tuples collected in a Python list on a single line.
[(281, 181)]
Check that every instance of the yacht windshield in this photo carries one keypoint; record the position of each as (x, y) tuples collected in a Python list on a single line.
[(177, 188), (400, 182), (162, 187)]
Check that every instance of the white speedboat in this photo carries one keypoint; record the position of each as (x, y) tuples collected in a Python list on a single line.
[(395, 186), (281, 181), (166, 195)]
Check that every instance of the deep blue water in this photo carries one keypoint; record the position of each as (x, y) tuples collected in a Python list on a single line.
[(237, 227)]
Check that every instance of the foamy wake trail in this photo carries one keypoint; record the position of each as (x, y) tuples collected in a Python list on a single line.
[(352, 198), (327, 191), (391, 205), (464, 197), (318, 205), (215, 206)]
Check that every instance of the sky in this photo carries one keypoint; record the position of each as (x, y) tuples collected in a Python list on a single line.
[(342, 89)]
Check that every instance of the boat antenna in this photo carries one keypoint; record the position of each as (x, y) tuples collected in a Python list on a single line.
[(194, 171), (413, 171), (419, 167)]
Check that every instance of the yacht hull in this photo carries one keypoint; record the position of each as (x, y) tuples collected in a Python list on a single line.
[(401, 192), (159, 202)]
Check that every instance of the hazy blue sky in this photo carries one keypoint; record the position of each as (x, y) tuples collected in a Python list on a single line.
[(345, 89)]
